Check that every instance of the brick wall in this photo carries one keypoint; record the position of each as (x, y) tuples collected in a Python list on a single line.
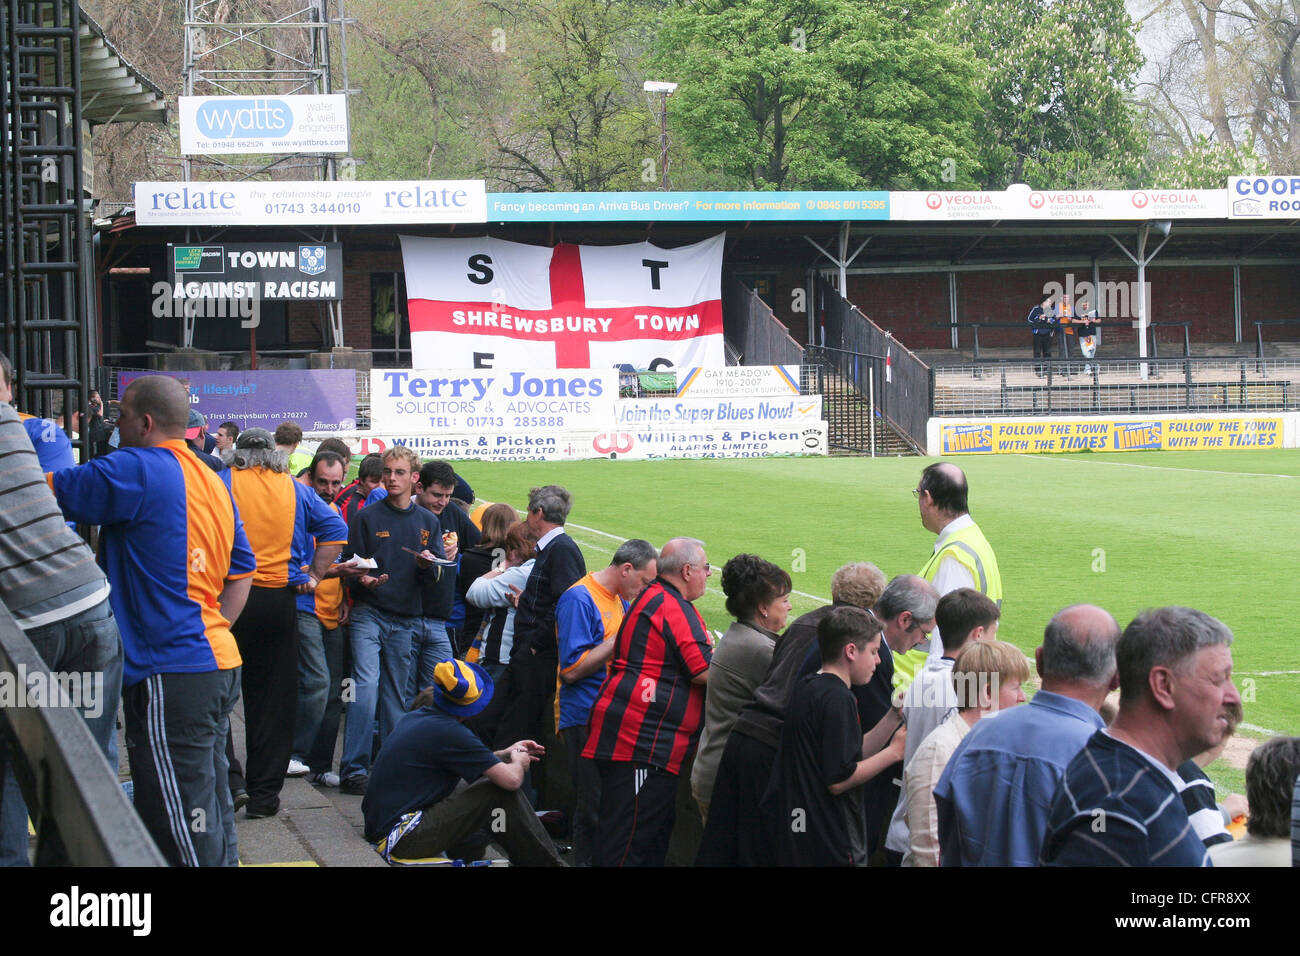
[(1270, 292), (909, 305)]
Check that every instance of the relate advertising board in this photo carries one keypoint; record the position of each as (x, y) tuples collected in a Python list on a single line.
[(637, 444), (265, 270), (264, 124), (486, 401), (756, 381), (320, 400), (491, 303), (1025, 203), (1106, 435), (696, 411), (1264, 197), (377, 202)]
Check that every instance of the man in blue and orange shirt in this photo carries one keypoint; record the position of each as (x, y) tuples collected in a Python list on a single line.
[(180, 566), (587, 619), (53, 450)]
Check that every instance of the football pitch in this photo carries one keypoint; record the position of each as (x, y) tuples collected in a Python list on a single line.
[(1218, 531)]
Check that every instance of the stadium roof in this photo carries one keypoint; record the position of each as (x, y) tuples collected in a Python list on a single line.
[(112, 90)]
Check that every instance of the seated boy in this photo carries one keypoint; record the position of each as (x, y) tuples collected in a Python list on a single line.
[(434, 783)]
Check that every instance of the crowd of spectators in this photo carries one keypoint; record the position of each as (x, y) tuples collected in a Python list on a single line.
[(481, 673)]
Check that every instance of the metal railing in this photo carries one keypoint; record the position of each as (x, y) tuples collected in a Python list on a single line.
[(80, 813), (757, 334), (1077, 387), (902, 384)]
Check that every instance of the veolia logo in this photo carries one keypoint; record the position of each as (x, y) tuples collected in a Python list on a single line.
[(258, 118)]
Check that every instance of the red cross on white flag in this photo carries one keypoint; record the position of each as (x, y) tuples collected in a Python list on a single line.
[(490, 303)]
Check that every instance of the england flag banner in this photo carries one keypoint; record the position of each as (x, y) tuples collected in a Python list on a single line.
[(490, 303)]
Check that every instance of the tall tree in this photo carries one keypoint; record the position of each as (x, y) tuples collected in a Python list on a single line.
[(428, 79), (819, 94), (579, 123), (1057, 99), (1231, 74)]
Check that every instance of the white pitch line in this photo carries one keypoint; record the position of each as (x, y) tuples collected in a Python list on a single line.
[(1260, 730), (1127, 464), (616, 537), (1265, 673)]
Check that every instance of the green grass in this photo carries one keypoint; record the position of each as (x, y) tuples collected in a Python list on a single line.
[(1214, 530)]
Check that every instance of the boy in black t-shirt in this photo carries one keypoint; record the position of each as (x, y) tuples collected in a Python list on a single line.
[(814, 801)]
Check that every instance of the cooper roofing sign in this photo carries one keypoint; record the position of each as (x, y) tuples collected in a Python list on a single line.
[(1264, 197)]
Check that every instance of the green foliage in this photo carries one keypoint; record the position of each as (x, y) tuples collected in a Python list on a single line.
[(819, 94), (582, 125), (1205, 164), (1056, 98), (428, 81)]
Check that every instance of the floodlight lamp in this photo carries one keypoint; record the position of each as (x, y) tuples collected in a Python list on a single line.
[(659, 86)]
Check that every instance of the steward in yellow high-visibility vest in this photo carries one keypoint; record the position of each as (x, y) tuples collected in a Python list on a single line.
[(962, 555), (967, 546)]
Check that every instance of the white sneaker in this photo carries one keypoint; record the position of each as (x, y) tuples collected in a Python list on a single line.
[(324, 779), (297, 768)]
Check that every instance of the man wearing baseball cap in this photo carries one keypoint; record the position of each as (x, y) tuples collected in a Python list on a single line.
[(434, 783), (197, 437)]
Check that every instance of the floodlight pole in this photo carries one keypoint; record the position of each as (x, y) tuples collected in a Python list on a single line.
[(663, 141)]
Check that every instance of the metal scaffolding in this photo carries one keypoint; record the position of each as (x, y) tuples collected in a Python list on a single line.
[(43, 225), (264, 48)]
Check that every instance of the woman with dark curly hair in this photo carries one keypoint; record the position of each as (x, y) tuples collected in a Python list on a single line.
[(758, 597)]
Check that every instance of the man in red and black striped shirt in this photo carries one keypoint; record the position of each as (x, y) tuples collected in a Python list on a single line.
[(646, 720)]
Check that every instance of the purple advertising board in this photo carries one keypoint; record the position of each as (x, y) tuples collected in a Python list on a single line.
[(318, 400)]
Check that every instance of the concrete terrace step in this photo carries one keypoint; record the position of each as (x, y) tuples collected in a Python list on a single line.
[(316, 826)]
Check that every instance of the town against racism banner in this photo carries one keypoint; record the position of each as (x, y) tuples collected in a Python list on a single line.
[(491, 303)]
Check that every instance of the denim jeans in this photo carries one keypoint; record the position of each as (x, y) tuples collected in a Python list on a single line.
[(88, 642), (338, 660), (430, 647), (381, 660), (315, 681)]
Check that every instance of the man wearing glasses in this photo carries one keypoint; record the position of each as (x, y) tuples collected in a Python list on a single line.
[(647, 718), (962, 558)]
